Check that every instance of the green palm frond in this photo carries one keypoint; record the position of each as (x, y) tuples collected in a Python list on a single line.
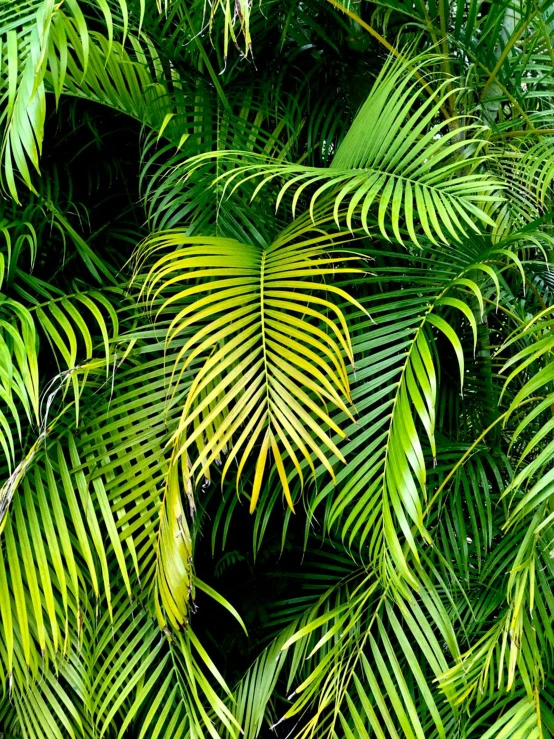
[(521, 720), (353, 657), (20, 380), (510, 652), (66, 504), (530, 487), (133, 81), (59, 54), (255, 125), (413, 169), (27, 37), (66, 520), (69, 509), (124, 679), (70, 324), (383, 489)]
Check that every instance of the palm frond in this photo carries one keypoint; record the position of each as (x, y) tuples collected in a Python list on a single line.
[(408, 165), (252, 304), (383, 489)]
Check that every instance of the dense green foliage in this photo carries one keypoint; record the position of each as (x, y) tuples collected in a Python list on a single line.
[(277, 352)]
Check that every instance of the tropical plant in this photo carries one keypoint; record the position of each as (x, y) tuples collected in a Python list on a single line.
[(277, 369)]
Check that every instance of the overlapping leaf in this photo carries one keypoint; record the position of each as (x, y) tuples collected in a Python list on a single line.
[(49, 50)]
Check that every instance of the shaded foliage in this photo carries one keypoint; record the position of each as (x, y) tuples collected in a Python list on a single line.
[(276, 398)]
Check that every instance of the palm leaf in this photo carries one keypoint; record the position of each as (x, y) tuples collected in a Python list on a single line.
[(258, 383), (383, 490), (51, 51), (408, 165)]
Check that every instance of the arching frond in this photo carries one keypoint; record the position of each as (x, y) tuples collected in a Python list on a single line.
[(353, 658), (383, 489), (409, 167), (54, 51), (175, 200)]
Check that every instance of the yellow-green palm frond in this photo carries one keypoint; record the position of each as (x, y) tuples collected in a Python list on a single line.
[(270, 344), (174, 585)]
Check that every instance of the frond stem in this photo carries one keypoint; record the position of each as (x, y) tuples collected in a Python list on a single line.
[(523, 132), (262, 325)]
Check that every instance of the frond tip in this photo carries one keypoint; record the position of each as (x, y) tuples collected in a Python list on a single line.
[(262, 348), (173, 587)]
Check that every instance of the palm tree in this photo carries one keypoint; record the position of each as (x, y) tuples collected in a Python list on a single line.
[(277, 313)]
